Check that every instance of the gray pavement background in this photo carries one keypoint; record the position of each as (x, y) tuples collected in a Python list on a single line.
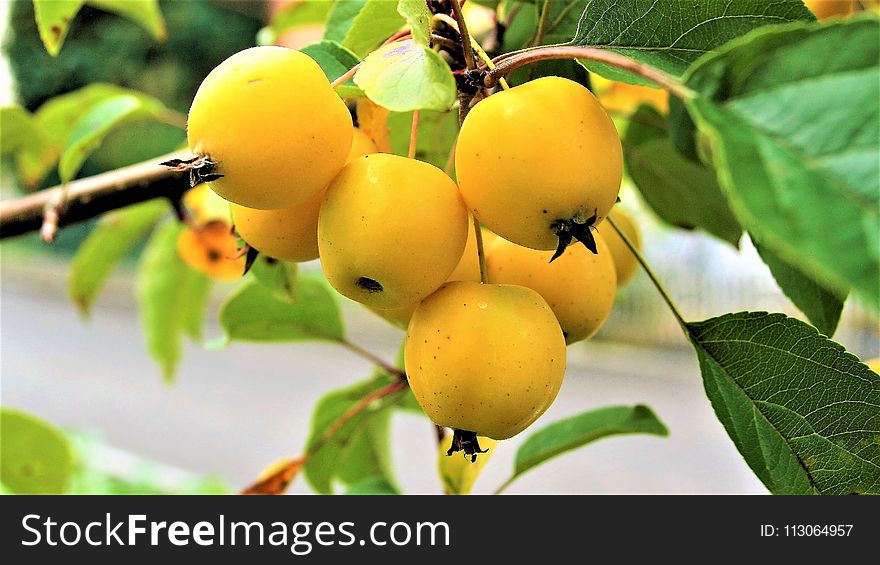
[(233, 412)]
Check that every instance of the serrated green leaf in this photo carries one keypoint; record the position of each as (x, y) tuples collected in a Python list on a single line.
[(821, 306), (436, 135), (405, 76), (803, 412), (35, 456), (53, 21), (106, 246), (23, 137), (681, 192), (576, 431), (670, 35), (359, 449), (794, 131), (277, 276), (418, 17), (361, 25), (145, 13), (253, 313), (164, 297), (335, 60), (372, 486), (90, 131), (293, 16)]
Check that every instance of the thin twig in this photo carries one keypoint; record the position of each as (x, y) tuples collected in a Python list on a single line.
[(344, 78), (509, 64), (481, 253), (372, 358), (413, 135), (465, 36)]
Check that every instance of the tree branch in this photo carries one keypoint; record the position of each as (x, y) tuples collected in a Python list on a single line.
[(92, 196)]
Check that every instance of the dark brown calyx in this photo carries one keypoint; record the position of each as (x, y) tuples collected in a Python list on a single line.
[(201, 169), (576, 228), (370, 285), (465, 441)]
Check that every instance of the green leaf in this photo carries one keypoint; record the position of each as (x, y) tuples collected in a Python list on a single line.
[(293, 16), (360, 449), (53, 20), (672, 35), (196, 295), (576, 431), (165, 297), (108, 244), (26, 139), (404, 76), (681, 192), (90, 131), (803, 412), (821, 306), (794, 131), (418, 17), (436, 135), (253, 313), (277, 276), (335, 60), (35, 456), (372, 485), (145, 13), (361, 25)]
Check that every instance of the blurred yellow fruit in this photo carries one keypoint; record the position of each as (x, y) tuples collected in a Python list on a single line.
[(456, 471), (831, 8), (625, 263), (625, 98), (874, 364), (212, 249)]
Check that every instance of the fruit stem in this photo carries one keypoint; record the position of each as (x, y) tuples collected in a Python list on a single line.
[(481, 253), (478, 49), (413, 135), (512, 62), (465, 36), (344, 78), (372, 358), (660, 288), (542, 23)]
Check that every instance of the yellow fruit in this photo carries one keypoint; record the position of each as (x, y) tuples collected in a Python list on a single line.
[(390, 230), (579, 286), (212, 249), (830, 8), (460, 473), (622, 97), (204, 205), (275, 129), (874, 364), (537, 160), (485, 359), (468, 269), (290, 234), (625, 262)]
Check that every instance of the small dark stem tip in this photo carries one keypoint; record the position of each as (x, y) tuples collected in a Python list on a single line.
[(465, 441)]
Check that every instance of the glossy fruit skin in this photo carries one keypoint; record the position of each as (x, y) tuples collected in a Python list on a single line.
[(290, 234), (390, 230), (579, 286), (538, 153), (468, 269), (484, 358), (625, 263), (276, 130)]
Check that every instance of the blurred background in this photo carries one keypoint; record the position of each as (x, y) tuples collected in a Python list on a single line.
[(233, 412)]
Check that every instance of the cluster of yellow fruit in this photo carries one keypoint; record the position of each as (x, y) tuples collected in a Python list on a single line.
[(539, 165)]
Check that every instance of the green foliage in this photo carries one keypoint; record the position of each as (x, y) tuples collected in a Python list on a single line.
[(361, 25), (53, 20), (576, 431), (255, 313), (293, 16), (360, 449), (372, 485), (335, 60), (108, 244), (672, 35), (794, 134), (681, 192), (821, 306), (27, 141), (404, 76), (145, 13), (35, 456), (803, 412), (170, 295), (278, 276), (418, 17), (435, 138)]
